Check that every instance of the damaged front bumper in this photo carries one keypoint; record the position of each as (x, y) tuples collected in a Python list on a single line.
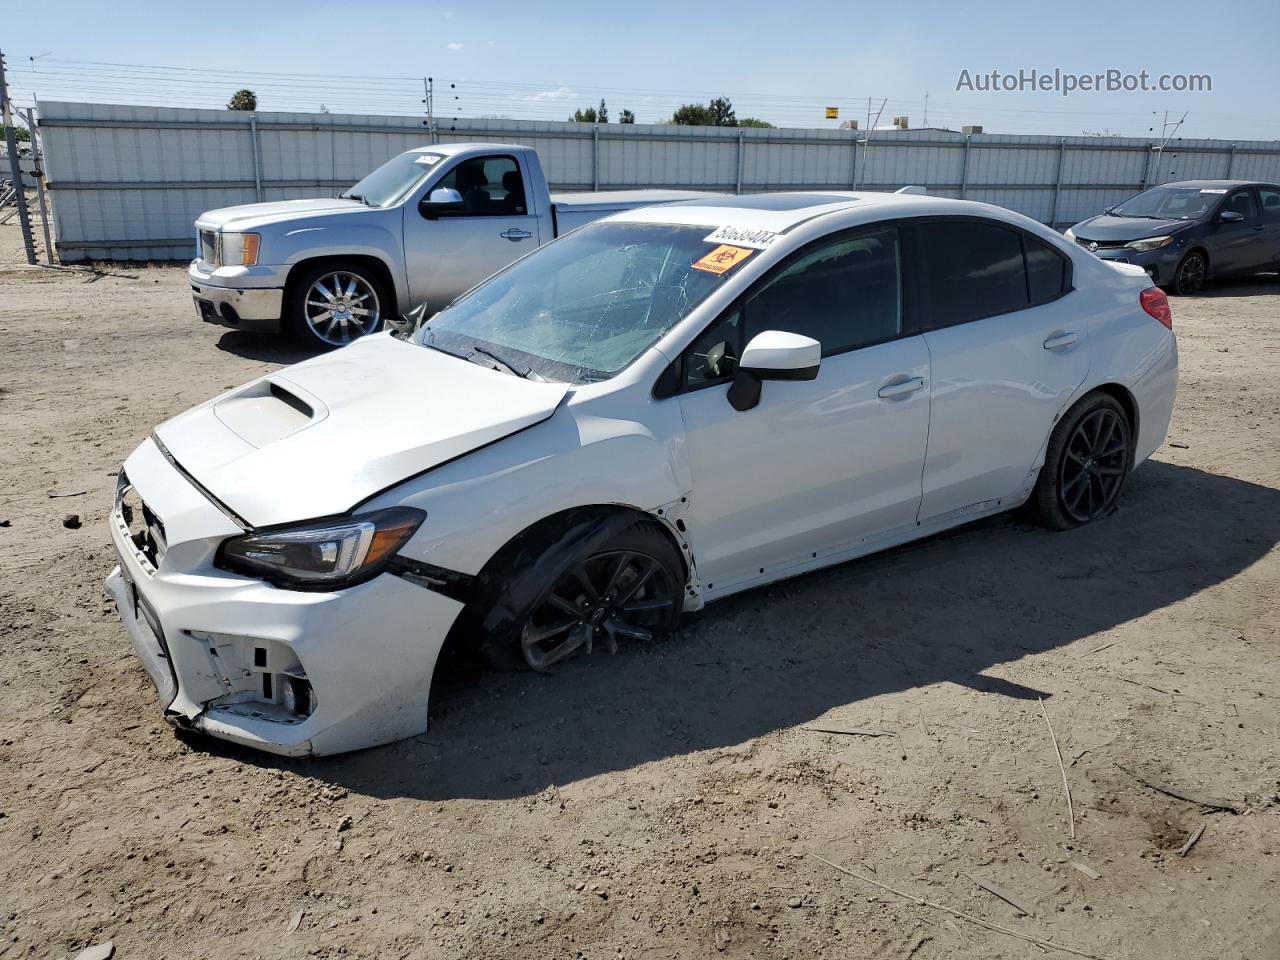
[(292, 673)]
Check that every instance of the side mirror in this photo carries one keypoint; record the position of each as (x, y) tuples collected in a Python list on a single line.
[(773, 355), (440, 202), (1230, 216)]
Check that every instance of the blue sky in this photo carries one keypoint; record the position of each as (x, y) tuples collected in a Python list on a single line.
[(780, 61)]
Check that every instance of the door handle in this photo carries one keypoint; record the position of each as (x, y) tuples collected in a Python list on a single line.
[(1061, 340), (515, 234), (900, 389)]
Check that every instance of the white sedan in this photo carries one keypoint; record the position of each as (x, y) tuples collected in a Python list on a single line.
[(656, 411)]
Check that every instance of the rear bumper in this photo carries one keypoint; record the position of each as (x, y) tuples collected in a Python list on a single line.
[(222, 649), (243, 298)]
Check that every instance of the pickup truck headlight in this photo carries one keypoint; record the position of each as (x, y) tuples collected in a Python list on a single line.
[(240, 249), (325, 555), (1150, 243), (1070, 235)]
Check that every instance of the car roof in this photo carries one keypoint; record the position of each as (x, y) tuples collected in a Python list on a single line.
[(778, 212), (1211, 184)]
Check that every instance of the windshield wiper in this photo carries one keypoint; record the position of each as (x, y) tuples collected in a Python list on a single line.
[(354, 196), (498, 360)]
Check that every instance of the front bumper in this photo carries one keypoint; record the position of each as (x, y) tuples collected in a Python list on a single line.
[(220, 648), (1160, 264), (243, 298)]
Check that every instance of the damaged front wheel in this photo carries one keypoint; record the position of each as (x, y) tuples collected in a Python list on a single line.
[(632, 590)]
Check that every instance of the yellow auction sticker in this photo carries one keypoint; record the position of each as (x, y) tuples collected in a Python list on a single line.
[(722, 259)]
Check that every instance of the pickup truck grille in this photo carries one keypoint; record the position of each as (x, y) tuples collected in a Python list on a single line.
[(209, 247)]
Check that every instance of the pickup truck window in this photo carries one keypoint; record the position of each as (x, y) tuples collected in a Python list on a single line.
[(394, 180), (580, 309), (490, 187)]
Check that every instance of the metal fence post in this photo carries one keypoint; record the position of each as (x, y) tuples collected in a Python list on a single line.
[(1151, 159), (257, 156), (741, 146), (11, 143), (1057, 187), (853, 164), (964, 167), (595, 156), (37, 154), (1231, 162)]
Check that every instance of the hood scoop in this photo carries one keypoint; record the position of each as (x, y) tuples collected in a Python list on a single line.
[(269, 410)]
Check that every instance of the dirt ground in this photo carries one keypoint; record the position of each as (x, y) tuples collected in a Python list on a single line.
[(671, 801)]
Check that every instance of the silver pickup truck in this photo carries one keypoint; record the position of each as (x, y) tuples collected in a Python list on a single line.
[(419, 230)]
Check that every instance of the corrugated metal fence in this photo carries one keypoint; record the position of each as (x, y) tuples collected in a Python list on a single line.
[(128, 181)]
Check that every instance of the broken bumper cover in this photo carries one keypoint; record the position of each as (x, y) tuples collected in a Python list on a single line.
[(243, 298), (221, 648)]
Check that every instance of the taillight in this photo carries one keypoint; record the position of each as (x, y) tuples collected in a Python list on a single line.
[(1156, 303)]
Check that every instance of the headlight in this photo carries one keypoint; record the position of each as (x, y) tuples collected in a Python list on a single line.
[(1151, 243), (329, 554), (1070, 235), (240, 248)]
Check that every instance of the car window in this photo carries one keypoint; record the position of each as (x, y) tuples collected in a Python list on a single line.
[(1270, 202), (1046, 270), (712, 357), (970, 270), (1242, 203), (845, 293), (490, 187)]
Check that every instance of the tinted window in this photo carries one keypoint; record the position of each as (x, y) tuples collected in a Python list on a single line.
[(845, 293), (490, 187), (712, 357), (971, 270), (1270, 202), (1046, 270), (1242, 203)]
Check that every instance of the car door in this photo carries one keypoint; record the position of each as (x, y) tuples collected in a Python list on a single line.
[(1008, 346), (450, 254), (817, 466), (1240, 246), (1269, 201)]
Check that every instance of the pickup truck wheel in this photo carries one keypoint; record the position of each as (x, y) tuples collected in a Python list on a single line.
[(331, 305)]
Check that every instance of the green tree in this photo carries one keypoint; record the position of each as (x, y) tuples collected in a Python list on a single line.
[(717, 113), (603, 113), (754, 122), (721, 113), (243, 100), (587, 115), (21, 134), (626, 117), (692, 115)]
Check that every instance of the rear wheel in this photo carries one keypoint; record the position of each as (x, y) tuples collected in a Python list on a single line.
[(1190, 275), (1089, 455), (330, 305), (630, 589)]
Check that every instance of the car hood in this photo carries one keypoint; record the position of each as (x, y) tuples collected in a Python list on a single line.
[(249, 215), (317, 438), (1123, 229)]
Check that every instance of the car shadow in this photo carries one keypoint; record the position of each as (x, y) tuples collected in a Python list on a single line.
[(269, 348), (1263, 285), (944, 609)]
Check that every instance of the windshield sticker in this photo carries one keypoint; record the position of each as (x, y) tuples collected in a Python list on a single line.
[(742, 237), (1213, 190), (427, 159), (722, 259)]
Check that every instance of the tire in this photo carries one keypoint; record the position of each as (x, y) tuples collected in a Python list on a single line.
[(631, 588), (1089, 456), (1191, 273), (324, 304)]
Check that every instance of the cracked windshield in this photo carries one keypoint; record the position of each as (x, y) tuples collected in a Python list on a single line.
[(582, 308)]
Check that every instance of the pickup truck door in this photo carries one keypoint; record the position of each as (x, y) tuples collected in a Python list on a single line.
[(445, 256)]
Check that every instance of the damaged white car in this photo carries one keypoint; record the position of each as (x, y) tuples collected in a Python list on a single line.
[(655, 411)]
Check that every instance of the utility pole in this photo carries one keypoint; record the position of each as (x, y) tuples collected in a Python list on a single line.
[(11, 142)]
